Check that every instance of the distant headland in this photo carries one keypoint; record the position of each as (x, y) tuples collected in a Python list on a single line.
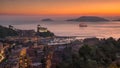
[(116, 20), (89, 19), (47, 19)]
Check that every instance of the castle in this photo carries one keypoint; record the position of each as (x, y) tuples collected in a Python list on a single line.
[(41, 29)]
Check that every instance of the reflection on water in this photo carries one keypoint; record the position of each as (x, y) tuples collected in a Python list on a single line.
[(64, 28), (103, 30)]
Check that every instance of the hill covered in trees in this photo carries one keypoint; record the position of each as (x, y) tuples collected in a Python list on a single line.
[(4, 32), (45, 34), (103, 54)]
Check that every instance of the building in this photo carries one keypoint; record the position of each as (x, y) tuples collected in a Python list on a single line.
[(11, 27), (1, 52), (41, 29), (24, 61), (36, 55)]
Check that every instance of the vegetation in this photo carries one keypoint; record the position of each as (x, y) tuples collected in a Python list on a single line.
[(4, 31), (105, 54), (45, 34)]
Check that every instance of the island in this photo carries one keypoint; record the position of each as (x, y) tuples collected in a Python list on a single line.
[(89, 19), (47, 19), (116, 20)]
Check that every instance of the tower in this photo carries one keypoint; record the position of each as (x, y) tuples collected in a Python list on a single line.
[(10, 27), (38, 28)]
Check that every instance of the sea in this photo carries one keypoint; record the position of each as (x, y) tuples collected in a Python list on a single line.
[(61, 27)]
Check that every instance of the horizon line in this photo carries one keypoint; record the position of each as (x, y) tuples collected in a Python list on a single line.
[(20, 14)]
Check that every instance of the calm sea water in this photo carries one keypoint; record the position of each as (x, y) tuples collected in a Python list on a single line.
[(64, 28)]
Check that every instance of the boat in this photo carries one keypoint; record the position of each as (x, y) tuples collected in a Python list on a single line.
[(82, 25)]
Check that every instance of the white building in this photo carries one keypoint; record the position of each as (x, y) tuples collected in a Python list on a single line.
[(41, 29)]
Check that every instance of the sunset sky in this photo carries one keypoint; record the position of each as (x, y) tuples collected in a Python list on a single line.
[(60, 7)]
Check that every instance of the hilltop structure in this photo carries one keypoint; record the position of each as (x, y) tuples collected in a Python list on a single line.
[(41, 29), (44, 32)]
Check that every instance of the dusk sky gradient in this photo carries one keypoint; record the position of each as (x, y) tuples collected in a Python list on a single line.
[(60, 7)]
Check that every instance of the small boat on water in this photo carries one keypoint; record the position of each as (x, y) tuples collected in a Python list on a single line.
[(82, 25)]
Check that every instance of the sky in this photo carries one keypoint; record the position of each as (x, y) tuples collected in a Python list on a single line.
[(60, 7)]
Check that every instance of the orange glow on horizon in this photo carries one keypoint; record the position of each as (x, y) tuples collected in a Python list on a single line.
[(69, 8)]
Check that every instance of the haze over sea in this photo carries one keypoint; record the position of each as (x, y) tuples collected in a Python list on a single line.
[(64, 28)]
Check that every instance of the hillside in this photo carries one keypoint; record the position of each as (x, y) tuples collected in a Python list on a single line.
[(89, 19), (46, 34), (104, 53), (4, 31)]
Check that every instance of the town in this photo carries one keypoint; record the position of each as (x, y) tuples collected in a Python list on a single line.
[(43, 49), (30, 49), (59, 33)]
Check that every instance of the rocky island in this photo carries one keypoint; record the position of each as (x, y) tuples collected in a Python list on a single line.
[(89, 19), (47, 19)]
